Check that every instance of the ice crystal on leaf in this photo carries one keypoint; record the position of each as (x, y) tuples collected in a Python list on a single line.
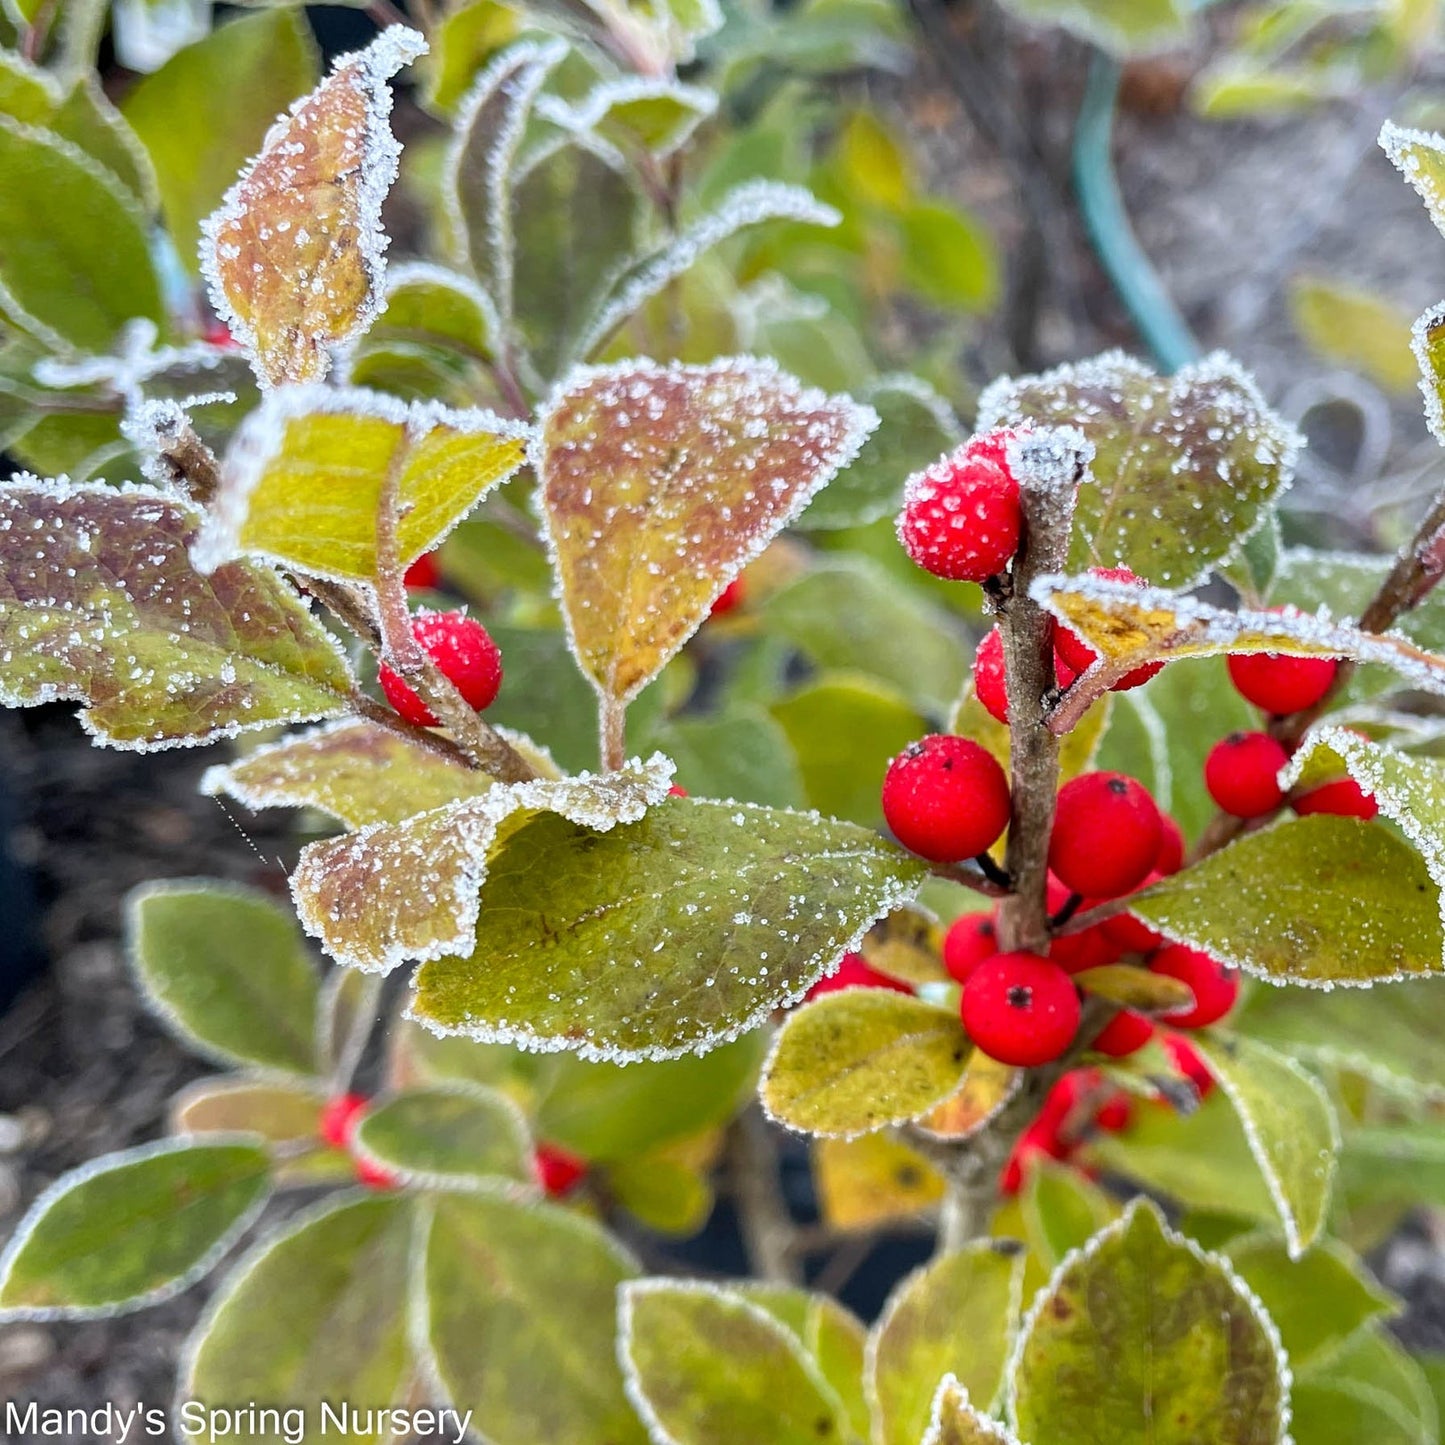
[(295, 256), (99, 603), (659, 483)]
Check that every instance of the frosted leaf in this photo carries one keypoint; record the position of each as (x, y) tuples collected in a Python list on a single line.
[(749, 204), (398, 892), (99, 604), (1184, 466), (1419, 156), (429, 305), (1427, 341), (357, 771), (954, 1420), (294, 258), (306, 476), (637, 113), (987, 1086), (659, 484), (667, 936)]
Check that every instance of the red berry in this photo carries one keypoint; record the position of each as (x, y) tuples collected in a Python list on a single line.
[(961, 518), (424, 575), (969, 941), (990, 681), (731, 597), (1063, 1100), (1089, 948), (464, 651), (1188, 1061), (1124, 1034), (1037, 1141), (946, 798), (1079, 655), (339, 1119), (854, 972), (1171, 846), (1129, 934), (374, 1176), (1020, 1009), (1281, 684), (1115, 1113), (677, 791), (1106, 834), (990, 446), (219, 334), (1344, 797), (1242, 774), (559, 1170), (1215, 987)]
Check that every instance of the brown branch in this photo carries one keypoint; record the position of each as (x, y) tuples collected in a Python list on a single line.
[(188, 460), (438, 743), (767, 1227), (612, 725)]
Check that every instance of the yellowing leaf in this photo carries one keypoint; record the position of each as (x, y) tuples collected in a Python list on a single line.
[(987, 1086), (294, 257), (1355, 328), (863, 1183), (99, 604), (1419, 156), (658, 484), (1427, 341), (400, 891), (956, 1422), (307, 477)]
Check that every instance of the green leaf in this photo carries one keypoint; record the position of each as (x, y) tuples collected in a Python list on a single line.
[(1374, 1383), (435, 864), (607, 1112), (662, 937), (1326, 1413), (349, 1007), (226, 968), (74, 262), (1317, 1301), (356, 771), (1354, 328), (1143, 1338), (1290, 1124), (1419, 156), (916, 426), (449, 1136), (849, 614), (956, 1315), (845, 730), (27, 93), (1121, 27), (430, 306), (858, 1060), (643, 115), (954, 1420), (948, 258), (1062, 1209), (309, 473), (314, 1314), (1346, 582), (658, 484), (1361, 905), (709, 1367), (520, 1322), (239, 77), (86, 118), (740, 753), (113, 615), (1184, 466), (131, 1229), (663, 1193)]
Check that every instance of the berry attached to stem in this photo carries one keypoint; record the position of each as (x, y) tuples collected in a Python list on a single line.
[(969, 941), (1106, 835), (1242, 774), (464, 652), (1281, 684), (1215, 987), (961, 518), (946, 798), (1020, 1009)]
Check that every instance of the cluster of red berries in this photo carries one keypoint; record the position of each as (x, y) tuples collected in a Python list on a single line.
[(464, 653), (1078, 1105), (339, 1122), (1242, 771)]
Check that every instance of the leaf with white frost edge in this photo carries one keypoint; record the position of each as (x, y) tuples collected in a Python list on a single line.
[(636, 113), (1081, 1345), (295, 256), (99, 604), (306, 476), (86, 1220), (954, 1421), (663, 937), (393, 893), (1419, 156), (1290, 1125)]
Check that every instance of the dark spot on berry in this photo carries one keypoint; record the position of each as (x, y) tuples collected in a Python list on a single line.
[(1020, 996), (1117, 786), (948, 765)]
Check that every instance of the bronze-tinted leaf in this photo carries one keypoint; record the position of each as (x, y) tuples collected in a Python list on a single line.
[(658, 483), (294, 257), (99, 604)]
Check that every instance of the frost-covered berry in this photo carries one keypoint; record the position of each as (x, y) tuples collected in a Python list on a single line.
[(990, 679), (1242, 774), (559, 1171), (946, 798), (1344, 797), (1077, 653), (969, 941), (854, 971), (1214, 986), (730, 598), (424, 575), (464, 651), (339, 1119), (1281, 684), (1171, 846), (961, 518), (374, 1176), (1106, 835), (1187, 1060), (1020, 1009), (1126, 1033)]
